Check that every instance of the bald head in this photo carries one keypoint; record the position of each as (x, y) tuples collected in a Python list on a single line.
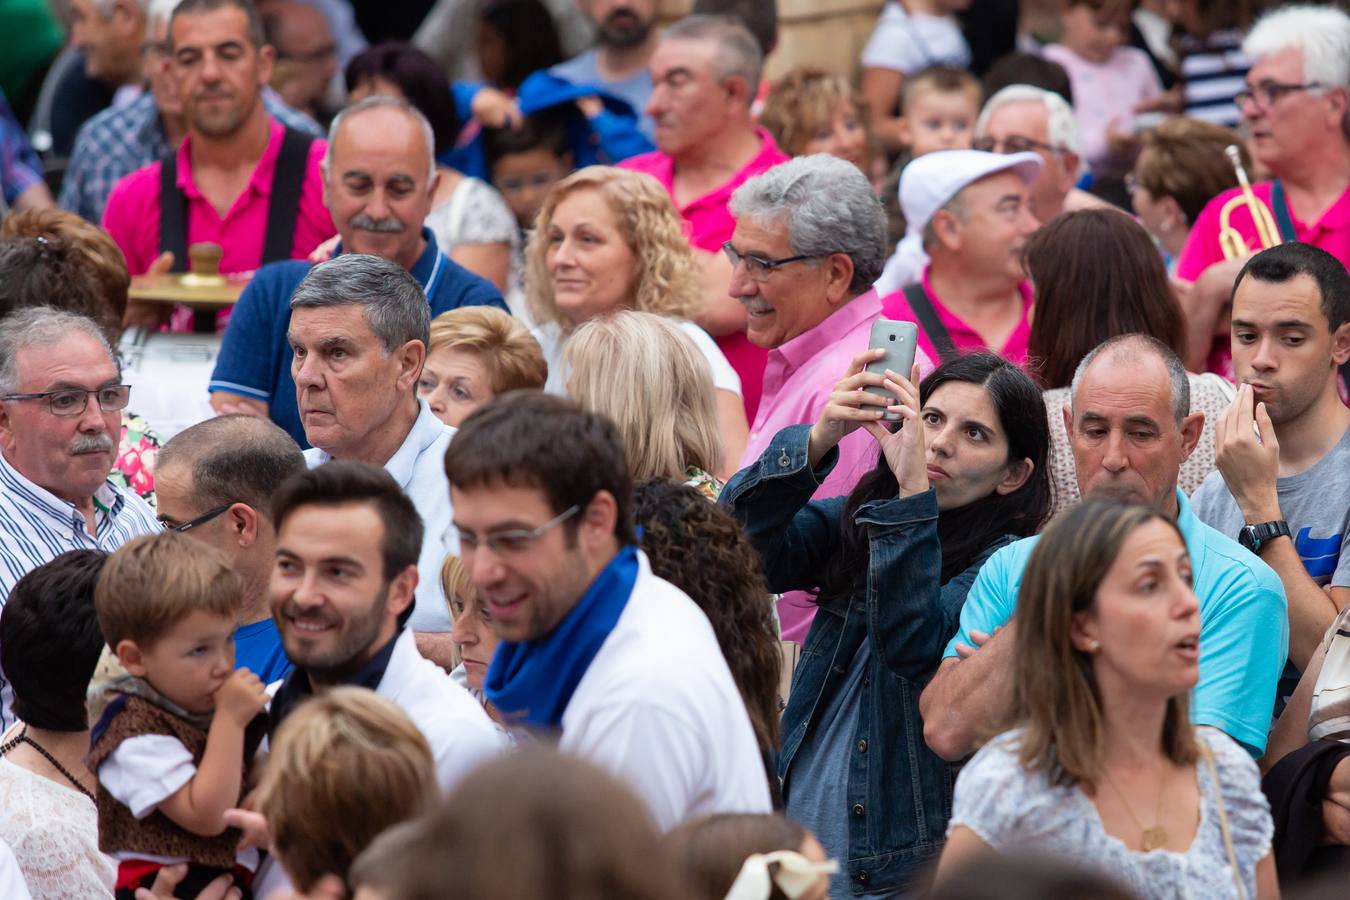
[(231, 459)]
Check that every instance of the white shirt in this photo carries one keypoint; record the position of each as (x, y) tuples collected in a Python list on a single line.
[(455, 724), (12, 886), (419, 468), (658, 708), (553, 342), (908, 42), (36, 526)]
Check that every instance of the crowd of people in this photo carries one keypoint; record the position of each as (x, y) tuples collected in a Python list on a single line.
[(549, 516)]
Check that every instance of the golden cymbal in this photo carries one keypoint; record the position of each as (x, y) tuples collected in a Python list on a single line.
[(189, 288)]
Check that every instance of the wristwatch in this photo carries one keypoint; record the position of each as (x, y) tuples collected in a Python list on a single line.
[(1254, 536)]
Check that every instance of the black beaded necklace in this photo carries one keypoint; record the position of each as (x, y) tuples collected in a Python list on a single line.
[(23, 738)]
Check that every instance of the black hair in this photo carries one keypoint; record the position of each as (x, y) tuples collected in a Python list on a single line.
[(546, 129), (967, 531), (1028, 68), (344, 482), (50, 640), (234, 459), (535, 440), (1285, 262), (419, 78), (529, 35), (257, 34), (760, 17)]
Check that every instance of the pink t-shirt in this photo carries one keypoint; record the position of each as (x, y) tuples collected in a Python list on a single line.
[(798, 379), (132, 213), (1106, 92), (1331, 233), (710, 226), (963, 336)]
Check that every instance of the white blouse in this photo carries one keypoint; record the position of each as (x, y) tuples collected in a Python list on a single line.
[(53, 831)]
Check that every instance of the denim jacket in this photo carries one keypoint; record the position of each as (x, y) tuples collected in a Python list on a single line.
[(899, 792)]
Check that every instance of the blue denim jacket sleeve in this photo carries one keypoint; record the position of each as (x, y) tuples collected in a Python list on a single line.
[(910, 613), (771, 498)]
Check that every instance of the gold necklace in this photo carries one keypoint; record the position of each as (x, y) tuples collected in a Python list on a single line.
[(1153, 838)]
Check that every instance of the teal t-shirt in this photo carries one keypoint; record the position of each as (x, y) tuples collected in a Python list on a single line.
[(257, 647), (1244, 625)]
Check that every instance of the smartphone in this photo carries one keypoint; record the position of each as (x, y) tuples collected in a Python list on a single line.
[(898, 339)]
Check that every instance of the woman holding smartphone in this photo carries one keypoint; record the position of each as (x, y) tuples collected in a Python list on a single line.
[(891, 564)]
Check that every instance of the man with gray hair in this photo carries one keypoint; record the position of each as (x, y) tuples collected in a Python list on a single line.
[(358, 333), (705, 72), (215, 482), (959, 266), (1296, 104), (1023, 118), (810, 239), (379, 181), (61, 402), (1130, 428)]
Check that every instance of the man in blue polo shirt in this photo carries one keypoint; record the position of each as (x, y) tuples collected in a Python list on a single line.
[(1130, 428), (379, 180)]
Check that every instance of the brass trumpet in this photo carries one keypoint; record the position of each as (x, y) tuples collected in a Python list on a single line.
[(1230, 239)]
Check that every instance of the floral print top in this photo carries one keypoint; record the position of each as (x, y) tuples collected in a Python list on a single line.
[(135, 466)]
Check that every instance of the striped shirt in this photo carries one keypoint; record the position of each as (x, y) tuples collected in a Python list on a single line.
[(1213, 70), (36, 526)]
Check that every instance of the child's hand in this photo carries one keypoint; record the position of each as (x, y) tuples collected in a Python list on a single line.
[(241, 697)]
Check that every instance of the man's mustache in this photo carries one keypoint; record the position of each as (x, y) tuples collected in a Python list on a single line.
[(384, 226)]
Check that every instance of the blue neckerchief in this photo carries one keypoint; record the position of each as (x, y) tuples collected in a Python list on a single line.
[(532, 682)]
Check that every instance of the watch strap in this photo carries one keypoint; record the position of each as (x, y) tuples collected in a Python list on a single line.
[(1260, 533)]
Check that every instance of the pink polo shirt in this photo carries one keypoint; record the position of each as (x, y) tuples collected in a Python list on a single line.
[(1331, 232), (798, 379), (710, 226), (132, 213), (963, 336)]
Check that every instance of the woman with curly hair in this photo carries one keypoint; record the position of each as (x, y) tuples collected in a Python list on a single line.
[(608, 240), (724, 579), (814, 111)]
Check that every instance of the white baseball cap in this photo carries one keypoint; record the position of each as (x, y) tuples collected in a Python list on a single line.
[(929, 183)]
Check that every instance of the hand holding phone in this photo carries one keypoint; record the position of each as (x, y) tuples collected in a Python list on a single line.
[(898, 340)]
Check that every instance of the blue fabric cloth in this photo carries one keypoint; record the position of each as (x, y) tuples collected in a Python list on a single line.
[(636, 90), (894, 795), (258, 648), (609, 138), (20, 167), (1244, 625), (255, 357), (122, 139), (532, 682)]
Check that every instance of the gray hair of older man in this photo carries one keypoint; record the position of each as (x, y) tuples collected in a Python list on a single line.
[(827, 206), (395, 307), (382, 102), (738, 52), (1132, 347), (42, 326)]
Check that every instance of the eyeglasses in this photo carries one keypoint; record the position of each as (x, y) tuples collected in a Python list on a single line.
[(72, 401), (1268, 93), (1013, 143), (200, 520), (510, 184), (757, 267), (510, 543)]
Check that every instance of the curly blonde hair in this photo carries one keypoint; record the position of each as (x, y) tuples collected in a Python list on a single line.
[(666, 282), (804, 102)]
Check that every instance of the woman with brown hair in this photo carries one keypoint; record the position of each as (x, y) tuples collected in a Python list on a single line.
[(1098, 276), (814, 111), (1102, 763), (719, 856)]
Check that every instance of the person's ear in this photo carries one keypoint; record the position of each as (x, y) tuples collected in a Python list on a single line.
[(598, 519), (838, 277), (1190, 429), (1340, 345), (411, 357), (402, 590), (739, 90), (7, 430), (434, 183), (947, 230), (130, 655), (904, 133), (1017, 475), (1069, 177), (267, 59), (243, 522), (1175, 217), (1067, 411), (1337, 101), (1083, 633)]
